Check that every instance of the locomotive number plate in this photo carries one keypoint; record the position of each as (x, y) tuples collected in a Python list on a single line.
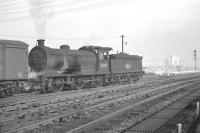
[(104, 65)]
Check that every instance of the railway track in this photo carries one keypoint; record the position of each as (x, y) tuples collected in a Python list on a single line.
[(183, 111), (43, 100), (38, 110), (121, 119), (35, 98), (154, 122), (65, 115), (32, 96), (146, 118)]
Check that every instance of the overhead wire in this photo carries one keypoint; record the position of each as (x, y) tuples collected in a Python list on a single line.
[(92, 5), (47, 4), (18, 2), (28, 6), (64, 10), (26, 11), (60, 38), (35, 37)]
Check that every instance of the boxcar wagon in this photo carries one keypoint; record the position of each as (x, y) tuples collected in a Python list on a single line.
[(13, 66)]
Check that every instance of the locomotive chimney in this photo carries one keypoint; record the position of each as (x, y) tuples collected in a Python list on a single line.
[(41, 42)]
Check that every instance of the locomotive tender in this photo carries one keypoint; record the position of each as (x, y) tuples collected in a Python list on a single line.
[(89, 65)]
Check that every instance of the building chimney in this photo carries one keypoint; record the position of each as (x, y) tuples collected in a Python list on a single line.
[(41, 42)]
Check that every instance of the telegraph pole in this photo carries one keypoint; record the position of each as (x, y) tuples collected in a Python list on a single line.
[(195, 59), (122, 36)]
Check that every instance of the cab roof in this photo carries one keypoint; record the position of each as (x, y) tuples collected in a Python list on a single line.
[(92, 48)]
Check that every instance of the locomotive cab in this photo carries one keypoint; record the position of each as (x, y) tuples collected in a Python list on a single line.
[(103, 60), (102, 57)]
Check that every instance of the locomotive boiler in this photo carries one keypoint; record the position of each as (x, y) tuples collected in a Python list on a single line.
[(58, 61), (89, 65)]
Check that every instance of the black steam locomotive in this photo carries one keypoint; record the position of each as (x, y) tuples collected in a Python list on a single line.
[(88, 66)]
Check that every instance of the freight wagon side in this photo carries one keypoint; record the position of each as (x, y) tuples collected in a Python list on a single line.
[(13, 60), (13, 64)]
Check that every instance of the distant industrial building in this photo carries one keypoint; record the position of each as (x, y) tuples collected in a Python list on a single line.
[(173, 64), (160, 66), (154, 66)]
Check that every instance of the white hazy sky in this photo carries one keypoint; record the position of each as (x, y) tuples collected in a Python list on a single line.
[(154, 29)]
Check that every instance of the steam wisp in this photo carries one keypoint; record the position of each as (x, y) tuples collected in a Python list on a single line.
[(41, 11)]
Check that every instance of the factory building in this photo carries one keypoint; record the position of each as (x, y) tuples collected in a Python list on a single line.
[(160, 66)]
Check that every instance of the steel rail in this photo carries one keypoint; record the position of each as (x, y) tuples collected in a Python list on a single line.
[(177, 110), (61, 98), (95, 122), (62, 116), (34, 98), (7, 99)]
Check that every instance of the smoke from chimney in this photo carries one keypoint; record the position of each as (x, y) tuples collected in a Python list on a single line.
[(41, 11)]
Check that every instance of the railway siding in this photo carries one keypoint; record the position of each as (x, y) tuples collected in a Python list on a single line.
[(185, 114), (80, 109), (100, 115), (30, 108), (157, 120), (140, 110)]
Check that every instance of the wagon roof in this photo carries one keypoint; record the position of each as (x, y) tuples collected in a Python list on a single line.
[(91, 48), (13, 42)]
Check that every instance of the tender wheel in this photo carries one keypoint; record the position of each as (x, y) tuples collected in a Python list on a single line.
[(136, 78), (106, 79), (8, 92), (98, 81), (78, 83), (3, 94), (130, 80), (133, 78), (57, 85), (13, 90)]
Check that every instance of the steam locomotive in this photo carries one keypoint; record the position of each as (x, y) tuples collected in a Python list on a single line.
[(88, 66)]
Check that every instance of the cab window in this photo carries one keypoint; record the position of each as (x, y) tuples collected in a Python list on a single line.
[(101, 56)]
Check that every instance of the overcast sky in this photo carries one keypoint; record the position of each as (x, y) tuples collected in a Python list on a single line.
[(154, 29)]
